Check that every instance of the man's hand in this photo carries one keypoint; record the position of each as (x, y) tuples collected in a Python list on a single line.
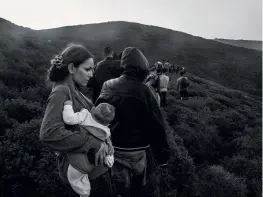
[(164, 168), (164, 165), (101, 154)]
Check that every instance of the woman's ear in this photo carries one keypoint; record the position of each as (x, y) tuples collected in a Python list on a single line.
[(71, 68)]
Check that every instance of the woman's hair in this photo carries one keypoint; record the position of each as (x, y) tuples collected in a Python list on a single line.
[(73, 53)]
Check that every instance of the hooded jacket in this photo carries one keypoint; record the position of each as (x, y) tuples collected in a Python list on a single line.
[(138, 121)]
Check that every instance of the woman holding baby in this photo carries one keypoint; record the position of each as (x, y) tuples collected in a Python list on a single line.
[(83, 159)]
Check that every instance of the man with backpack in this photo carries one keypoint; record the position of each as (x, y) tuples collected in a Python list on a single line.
[(182, 86), (137, 127), (159, 65), (108, 68)]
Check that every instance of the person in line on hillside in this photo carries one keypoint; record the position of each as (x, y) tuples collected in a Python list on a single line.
[(96, 123), (137, 126), (115, 56), (164, 81), (183, 69), (70, 70), (166, 65), (171, 68), (159, 66), (152, 82), (182, 86), (108, 68), (177, 69)]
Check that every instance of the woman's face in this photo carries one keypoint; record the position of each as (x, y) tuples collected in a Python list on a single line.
[(83, 73)]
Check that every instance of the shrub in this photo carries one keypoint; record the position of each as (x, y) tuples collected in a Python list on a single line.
[(22, 110), (214, 181)]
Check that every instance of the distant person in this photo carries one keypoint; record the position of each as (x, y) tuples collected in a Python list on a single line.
[(174, 68), (115, 56), (170, 68), (152, 81), (108, 68), (166, 65), (159, 70), (183, 69), (177, 69), (182, 86), (159, 66), (96, 123), (137, 126), (164, 81)]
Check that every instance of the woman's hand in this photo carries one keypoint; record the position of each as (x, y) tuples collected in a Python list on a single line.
[(110, 147), (101, 154)]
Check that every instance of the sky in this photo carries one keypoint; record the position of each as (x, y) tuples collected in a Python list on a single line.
[(229, 19)]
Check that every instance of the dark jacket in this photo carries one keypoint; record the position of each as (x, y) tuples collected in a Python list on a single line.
[(138, 120), (64, 139), (105, 70)]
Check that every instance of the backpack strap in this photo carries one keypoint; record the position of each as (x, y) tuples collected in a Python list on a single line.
[(69, 92)]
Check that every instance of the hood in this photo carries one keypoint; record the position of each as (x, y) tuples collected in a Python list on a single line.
[(134, 63)]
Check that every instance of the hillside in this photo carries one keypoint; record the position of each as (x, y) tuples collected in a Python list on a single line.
[(215, 140), (215, 136), (249, 44), (233, 67)]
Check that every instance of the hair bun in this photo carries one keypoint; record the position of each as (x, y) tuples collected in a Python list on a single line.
[(57, 61)]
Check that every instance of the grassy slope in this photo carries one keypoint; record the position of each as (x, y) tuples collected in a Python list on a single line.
[(217, 126), (249, 44)]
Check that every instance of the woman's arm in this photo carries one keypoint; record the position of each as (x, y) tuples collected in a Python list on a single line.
[(69, 117)]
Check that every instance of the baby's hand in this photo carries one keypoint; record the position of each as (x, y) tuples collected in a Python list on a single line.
[(68, 102)]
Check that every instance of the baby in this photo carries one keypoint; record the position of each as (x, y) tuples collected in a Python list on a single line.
[(96, 123)]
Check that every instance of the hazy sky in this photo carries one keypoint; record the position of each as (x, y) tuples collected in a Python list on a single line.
[(233, 19)]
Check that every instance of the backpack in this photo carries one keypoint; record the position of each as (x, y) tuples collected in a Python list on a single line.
[(160, 66), (184, 83)]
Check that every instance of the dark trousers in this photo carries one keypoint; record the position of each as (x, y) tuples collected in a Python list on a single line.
[(184, 94), (129, 173), (163, 99), (103, 186)]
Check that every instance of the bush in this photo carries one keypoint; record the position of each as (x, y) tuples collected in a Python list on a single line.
[(22, 110), (250, 169), (214, 181), (28, 168), (196, 103)]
